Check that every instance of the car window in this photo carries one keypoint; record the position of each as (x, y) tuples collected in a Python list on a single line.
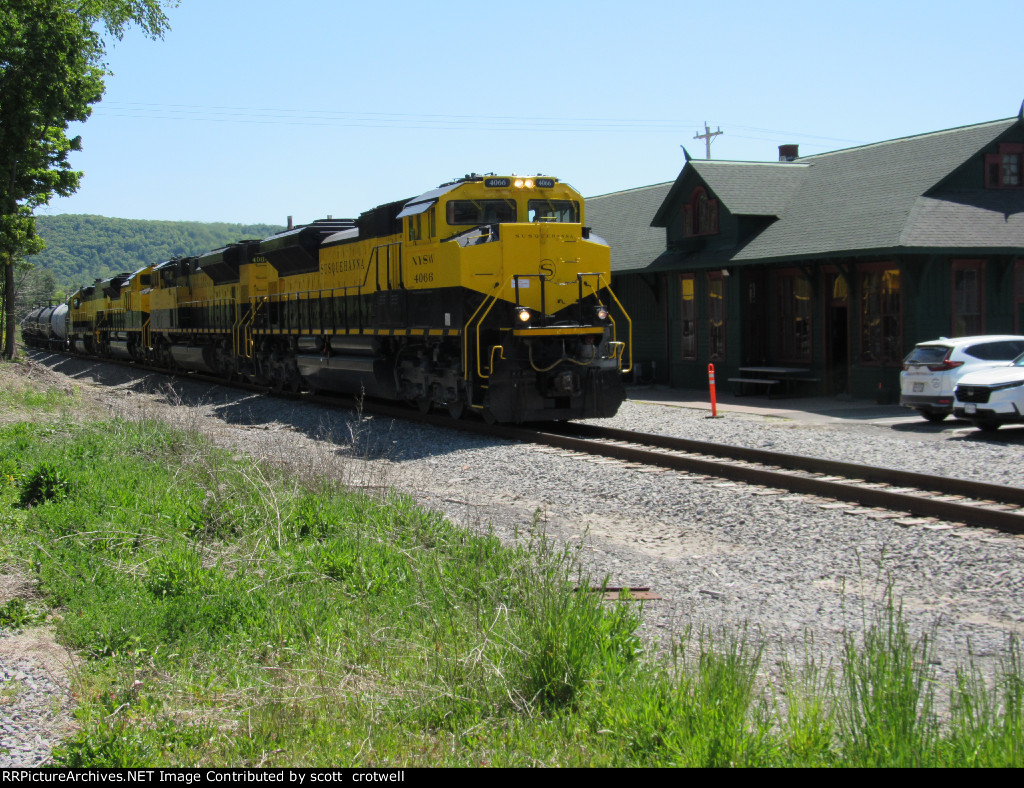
[(1004, 350), (927, 354)]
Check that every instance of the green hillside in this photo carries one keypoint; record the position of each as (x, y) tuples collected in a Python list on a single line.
[(80, 248)]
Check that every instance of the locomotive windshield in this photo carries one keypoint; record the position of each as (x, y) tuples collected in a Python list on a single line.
[(552, 211), (481, 211)]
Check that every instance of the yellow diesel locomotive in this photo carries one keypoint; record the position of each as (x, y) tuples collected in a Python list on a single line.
[(487, 294)]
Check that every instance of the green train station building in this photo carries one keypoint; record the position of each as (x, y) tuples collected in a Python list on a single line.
[(836, 264)]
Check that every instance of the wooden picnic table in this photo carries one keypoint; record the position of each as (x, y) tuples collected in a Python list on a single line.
[(768, 377)]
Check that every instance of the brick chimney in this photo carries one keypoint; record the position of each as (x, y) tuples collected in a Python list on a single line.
[(789, 152)]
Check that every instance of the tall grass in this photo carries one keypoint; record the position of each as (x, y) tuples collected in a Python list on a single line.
[(232, 614)]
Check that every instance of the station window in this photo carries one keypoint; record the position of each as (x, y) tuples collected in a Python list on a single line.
[(1003, 169), (716, 317), (794, 317), (688, 318), (968, 297), (700, 214), (881, 316)]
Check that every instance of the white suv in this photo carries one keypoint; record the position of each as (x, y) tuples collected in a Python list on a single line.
[(991, 397), (932, 370)]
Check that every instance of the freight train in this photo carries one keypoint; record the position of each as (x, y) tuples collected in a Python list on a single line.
[(488, 294)]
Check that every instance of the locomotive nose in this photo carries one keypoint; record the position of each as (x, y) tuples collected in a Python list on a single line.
[(564, 383)]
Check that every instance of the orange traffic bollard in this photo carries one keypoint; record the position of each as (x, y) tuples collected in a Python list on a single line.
[(714, 398)]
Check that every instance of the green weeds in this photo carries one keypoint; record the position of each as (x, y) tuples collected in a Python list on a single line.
[(233, 616), (16, 613)]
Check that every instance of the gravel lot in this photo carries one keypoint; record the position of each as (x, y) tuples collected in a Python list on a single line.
[(790, 569)]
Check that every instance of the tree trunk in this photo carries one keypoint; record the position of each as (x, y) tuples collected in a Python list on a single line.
[(8, 310)]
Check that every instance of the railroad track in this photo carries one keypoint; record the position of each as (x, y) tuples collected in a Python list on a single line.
[(921, 495)]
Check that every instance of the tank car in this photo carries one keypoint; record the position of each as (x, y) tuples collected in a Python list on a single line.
[(45, 327), (487, 294)]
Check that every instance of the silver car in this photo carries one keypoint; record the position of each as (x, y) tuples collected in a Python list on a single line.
[(932, 369), (992, 397)]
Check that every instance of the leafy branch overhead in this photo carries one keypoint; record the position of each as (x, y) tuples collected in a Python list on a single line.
[(51, 73)]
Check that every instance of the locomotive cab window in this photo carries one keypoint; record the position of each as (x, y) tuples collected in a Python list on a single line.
[(553, 211), (422, 226), (480, 212)]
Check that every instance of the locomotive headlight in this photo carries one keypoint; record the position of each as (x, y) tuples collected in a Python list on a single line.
[(523, 315), (602, 313), (524, 183)]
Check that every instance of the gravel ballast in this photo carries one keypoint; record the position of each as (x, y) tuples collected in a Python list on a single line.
[(793, 571)]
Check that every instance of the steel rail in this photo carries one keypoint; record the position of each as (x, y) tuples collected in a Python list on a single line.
[(774, 470), (894, 476), (730, 463)]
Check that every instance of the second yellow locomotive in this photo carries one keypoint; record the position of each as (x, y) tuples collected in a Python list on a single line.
[(488, 294)]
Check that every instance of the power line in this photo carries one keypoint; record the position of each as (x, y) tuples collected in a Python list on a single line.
[(433, 121)]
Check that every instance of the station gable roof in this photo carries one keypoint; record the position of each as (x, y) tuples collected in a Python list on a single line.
[(919, 192)]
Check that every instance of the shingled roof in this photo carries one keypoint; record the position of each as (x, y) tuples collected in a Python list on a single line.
[(864, 198), (624, 220), (880, 198), (731, 181)]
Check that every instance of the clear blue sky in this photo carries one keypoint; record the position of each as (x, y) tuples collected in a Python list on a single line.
[(252, 111)]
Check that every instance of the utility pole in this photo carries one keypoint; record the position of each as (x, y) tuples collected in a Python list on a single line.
[(707, 136)]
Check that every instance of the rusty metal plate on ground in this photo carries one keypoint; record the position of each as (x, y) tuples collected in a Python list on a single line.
[(613, 593)]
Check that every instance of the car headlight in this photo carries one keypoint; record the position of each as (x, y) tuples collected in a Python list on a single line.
[(1012, 385)]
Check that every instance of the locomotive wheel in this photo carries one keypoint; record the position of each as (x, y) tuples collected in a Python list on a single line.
[(456, 408), (488, 416), (424, 404)]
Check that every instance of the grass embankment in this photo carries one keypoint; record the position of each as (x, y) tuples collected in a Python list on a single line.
[(231, 615)]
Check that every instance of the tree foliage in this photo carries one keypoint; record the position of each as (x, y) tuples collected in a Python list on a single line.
[(82, 248), (51, 73)]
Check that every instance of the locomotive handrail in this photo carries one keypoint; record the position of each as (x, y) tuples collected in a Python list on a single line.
[(321, 296), (479, 323), (543, 278), (236, 341), (466, 330), (219, 320), (109, 313), (629, 322), (97, 329), (617, 347), (245, 329), (501, 353), (375, 260)]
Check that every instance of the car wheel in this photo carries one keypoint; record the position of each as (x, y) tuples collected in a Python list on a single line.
[(987, 425), (933, 417)]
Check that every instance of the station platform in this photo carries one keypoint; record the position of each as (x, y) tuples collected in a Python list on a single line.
[(806, 409)]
